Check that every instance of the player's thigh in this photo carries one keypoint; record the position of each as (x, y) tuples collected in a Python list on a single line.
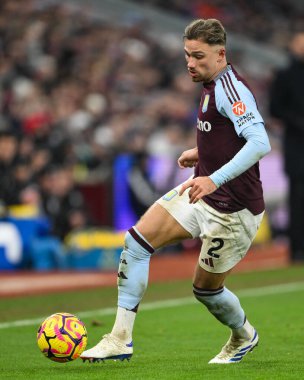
[(226, 238), (160, 228), (172, 218)]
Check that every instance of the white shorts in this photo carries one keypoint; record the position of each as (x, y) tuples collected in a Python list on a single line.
[(226, 238)]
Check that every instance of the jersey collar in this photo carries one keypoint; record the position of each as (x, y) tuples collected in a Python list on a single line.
[(223, 72)]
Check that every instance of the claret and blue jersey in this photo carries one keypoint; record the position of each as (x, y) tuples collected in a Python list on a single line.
[(228, 117)]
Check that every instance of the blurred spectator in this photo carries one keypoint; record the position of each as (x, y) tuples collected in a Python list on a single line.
[(22, 176), (61, 201), (287, 104), (8, 155)]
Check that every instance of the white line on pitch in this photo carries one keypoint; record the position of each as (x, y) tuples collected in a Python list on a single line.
[(252, 292)]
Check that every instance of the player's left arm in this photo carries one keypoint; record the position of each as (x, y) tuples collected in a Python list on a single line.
[(248, 125), (256, 147)]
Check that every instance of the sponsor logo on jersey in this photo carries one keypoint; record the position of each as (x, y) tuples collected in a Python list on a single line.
[(203, 126), (245, 119), (238, 108), (205, 104), (171, 194)]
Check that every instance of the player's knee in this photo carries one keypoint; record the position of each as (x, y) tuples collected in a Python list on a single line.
[(136, 245)]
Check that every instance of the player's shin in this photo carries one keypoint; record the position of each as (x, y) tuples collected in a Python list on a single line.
[(226, 307), (132, 282)]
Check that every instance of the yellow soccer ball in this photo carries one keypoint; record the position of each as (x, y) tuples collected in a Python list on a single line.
[(62, 337)]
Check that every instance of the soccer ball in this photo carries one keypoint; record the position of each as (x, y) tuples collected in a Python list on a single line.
[(62, 337)]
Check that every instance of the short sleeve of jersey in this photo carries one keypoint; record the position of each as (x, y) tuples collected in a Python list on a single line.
[(235, 101)]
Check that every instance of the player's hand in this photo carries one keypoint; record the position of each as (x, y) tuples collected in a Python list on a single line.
[(200, 186), (188, 159)]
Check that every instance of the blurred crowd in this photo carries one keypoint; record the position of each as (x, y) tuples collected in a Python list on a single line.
[(75, 92), (271, 22)]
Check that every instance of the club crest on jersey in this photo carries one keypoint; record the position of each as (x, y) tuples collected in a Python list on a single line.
[(205, 104), (238, 108)]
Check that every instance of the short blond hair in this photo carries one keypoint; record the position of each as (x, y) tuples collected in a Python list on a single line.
[(210, 31)]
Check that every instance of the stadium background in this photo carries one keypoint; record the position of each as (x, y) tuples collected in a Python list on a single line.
[(96, 106)]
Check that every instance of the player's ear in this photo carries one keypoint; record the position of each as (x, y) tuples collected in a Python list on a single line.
[(221, 54)]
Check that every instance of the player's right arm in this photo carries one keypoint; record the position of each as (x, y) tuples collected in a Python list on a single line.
[(188, 159)]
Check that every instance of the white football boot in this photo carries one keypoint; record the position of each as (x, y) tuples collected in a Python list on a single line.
[(236, 348), (109, 348)]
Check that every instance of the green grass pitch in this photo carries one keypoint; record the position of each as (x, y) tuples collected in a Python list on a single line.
[(172, 340)]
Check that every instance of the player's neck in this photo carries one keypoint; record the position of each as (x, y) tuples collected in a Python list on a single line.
[(218, 71)]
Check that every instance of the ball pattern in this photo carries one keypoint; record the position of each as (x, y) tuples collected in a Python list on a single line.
[(62, 337)]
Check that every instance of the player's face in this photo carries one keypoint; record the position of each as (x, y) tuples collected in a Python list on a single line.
[(204, 61), (297, 46)]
